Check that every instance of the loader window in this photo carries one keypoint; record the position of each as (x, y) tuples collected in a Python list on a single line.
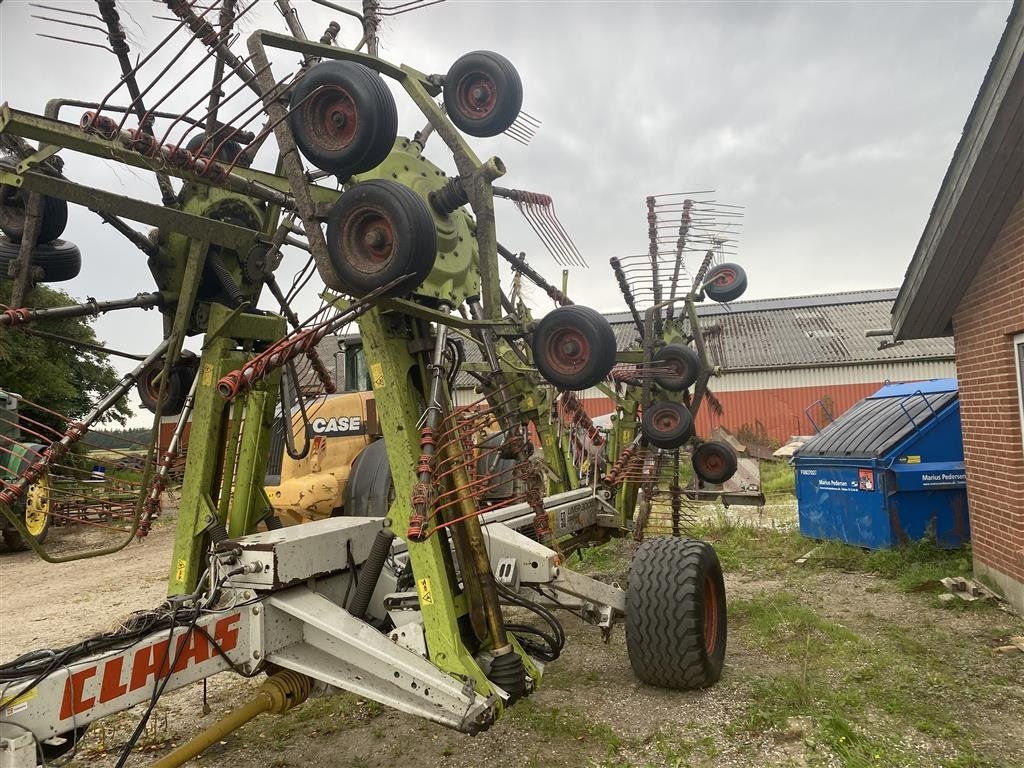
[(357, 378)]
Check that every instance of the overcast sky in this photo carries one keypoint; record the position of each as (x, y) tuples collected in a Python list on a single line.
[(831, 123)]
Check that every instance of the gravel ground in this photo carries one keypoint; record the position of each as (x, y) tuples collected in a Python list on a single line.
[(590, 710)]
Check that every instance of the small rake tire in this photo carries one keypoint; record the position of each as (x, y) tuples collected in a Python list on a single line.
[(715, 462), (725, 282), (676, 622), (666, 424), (684, 363), (344, 118), (573, 347), (12, 212), (59, 260), (483, 93), (379, 231)]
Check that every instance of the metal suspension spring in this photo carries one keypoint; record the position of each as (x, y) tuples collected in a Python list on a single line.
[(572, 407), (612, 476)]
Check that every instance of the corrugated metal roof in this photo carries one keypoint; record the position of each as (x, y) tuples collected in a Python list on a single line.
[(776, 334), (801, 332)]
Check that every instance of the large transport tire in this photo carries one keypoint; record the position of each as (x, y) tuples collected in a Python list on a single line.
[(676, 614), (573, 347), (59, 260), (369, 491), (483, 93), (666, 424), (725, 282), (378, 231), (12, 211), (714, 462), (343, 117), (684, 364)]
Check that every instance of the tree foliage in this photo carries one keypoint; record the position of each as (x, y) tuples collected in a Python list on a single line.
[(54, 374)]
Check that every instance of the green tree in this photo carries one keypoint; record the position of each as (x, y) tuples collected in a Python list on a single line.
[(54, 374)]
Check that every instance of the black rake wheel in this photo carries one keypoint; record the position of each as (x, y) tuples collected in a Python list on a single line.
[(676, 622), (573, 347), (59, 260), (682, 364), (12, 212), (378, 231), (714, 462), (483, 93), (343, 118), (182, 374), (666, 424), (725, 282)]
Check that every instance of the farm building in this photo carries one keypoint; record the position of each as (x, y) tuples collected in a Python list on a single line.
[(966, 280), (791, 363), (788, 364)]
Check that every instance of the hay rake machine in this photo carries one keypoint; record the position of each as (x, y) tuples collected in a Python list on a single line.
[(404, 604), (691, 242)]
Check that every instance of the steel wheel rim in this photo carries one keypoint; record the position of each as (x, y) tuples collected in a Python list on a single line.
[(37, 506), (724, 278), (664, 420), (150, 382), (567, 350), (711, 463), (476, 95), (332, 117), (710, 616), (369, 241)]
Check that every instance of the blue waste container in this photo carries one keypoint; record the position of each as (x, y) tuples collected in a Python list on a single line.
[(888, 471)]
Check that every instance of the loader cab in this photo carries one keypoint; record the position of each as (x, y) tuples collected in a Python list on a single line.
[(350, 371)]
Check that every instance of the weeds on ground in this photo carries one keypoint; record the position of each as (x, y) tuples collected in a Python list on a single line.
[(777, 477)]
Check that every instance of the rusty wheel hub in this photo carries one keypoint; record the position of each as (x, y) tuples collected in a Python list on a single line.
[(477, 95), (568, 350), (333, 117), (369, 240)]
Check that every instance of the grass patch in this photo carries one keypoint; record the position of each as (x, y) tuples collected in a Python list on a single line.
[(554, 724), (777, 477), (612, 557)]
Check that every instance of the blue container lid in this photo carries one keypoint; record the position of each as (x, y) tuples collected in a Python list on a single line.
[(879, 423)]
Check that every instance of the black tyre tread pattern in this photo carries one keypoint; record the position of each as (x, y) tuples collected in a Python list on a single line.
[(422, 236), (55, 214), (733, 292), (369, 490), (381, 104), (504, 115), (664, 614), (59, 260)]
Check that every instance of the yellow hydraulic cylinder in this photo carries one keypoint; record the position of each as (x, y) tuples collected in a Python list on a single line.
[(277, 694)]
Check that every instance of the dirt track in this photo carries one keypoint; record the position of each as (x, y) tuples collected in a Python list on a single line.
[(590, 711)]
